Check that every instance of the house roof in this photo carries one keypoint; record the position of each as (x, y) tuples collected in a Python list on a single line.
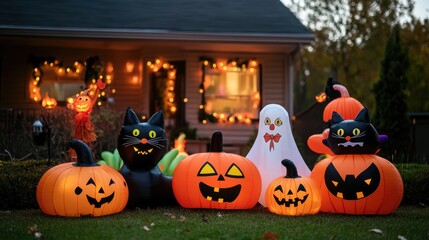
[(249, 20)]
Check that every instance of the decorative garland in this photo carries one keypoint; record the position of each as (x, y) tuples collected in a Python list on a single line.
[(93, 68), (206, 62), (170, 107)]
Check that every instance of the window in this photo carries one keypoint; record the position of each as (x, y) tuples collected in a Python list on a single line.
[(52, 81), (230, 91), (59, 85)]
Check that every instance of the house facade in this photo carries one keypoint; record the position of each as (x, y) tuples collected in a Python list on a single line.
[(210, 65)]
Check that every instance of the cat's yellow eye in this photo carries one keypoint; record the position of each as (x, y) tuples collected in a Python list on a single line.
[(267, 121), (356, 131), (278, 122), (152, 134), (340, 132), (136, 132)]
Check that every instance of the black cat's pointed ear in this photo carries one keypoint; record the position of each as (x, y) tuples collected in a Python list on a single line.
[(131, 117), (363, 116), (336, 118), (157, 119)]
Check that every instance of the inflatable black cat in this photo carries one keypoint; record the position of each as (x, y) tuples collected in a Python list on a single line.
[(141, 146), (356, 136)]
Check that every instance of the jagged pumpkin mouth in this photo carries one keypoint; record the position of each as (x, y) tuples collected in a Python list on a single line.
[(220, 195), (98, 204)]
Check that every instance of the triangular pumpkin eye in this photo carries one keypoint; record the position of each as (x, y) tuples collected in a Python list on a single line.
[(207, 170), (111, 182), (301, 188), (90, 181), (234, 172)]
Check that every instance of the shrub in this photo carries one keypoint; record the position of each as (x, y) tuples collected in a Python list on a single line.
[(17, 142), (18, 183), (108, 123), (416, 183)]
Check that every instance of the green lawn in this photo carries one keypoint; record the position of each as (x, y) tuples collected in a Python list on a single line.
[(411, 222)]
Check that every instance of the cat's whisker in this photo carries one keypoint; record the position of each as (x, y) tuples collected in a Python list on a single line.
[(158, 145), (360, 135), (128, 144)]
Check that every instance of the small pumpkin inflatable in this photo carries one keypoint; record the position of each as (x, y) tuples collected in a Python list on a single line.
[(83, 188), (292, 195), (216, 179), (355, 180), (345, 105)]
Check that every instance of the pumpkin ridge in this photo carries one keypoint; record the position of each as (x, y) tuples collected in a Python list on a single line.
[(67, 171), (382, 181), (48, 178)]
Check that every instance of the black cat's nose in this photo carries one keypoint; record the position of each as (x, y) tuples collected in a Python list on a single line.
[(143, 141)]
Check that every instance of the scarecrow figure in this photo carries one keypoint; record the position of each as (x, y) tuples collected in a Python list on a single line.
[(83, 104)]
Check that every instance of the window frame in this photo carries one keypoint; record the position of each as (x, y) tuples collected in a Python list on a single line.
[(206, 117)]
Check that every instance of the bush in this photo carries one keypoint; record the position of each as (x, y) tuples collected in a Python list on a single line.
[(18, 140), (416, 183), (18, 183), (108, 123)]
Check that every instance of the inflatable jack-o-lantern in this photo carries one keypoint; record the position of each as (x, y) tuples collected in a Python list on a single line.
[(84, 188), (216, 180), (292, 195), (355, 180)]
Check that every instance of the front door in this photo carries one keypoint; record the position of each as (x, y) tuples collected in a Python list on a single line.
[(168, 92)]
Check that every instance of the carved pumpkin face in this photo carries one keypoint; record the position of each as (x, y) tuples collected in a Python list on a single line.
[(92, 187), (83, 188), (216, 180), (83, 103), (353, 186), (358, 184), (292, 195)]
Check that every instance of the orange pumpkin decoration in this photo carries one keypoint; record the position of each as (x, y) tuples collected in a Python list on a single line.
[(83, 188), (358, 184), (216, 180), (292, 195), (345, 105)]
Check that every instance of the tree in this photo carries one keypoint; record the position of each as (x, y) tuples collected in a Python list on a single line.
[(415, 36), (390, 97), (350, 38)]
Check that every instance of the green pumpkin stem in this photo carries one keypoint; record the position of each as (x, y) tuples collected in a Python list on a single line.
[(291, 171), (216, 144), (84, 154)]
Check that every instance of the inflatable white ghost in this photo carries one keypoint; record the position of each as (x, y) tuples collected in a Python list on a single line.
[(274, 143)]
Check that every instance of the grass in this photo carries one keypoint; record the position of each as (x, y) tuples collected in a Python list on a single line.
[(411, 222)]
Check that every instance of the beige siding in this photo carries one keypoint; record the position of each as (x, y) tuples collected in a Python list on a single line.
[(16, 72)]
